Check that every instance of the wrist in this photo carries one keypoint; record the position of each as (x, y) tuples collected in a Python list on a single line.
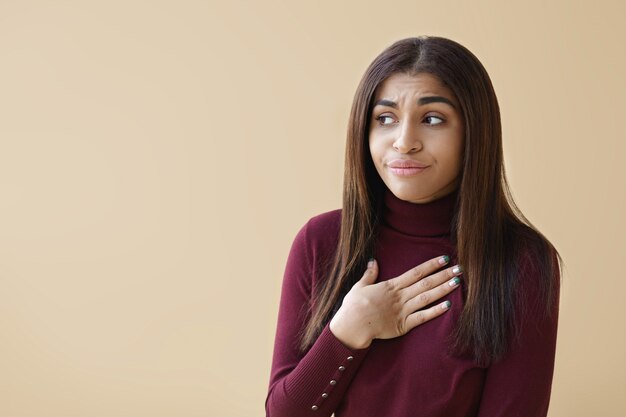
[(346, 333)]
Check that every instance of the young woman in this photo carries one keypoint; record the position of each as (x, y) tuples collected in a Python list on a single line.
[(428, 293)]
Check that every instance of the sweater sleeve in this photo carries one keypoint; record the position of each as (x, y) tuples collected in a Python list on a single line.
[(520, 383), (311, 383)]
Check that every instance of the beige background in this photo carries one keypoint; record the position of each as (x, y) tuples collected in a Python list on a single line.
[(158, 157)]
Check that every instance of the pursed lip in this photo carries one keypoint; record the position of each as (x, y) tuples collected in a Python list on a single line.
[(405, 163)]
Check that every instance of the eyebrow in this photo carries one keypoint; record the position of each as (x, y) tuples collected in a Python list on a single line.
[(420, 102)]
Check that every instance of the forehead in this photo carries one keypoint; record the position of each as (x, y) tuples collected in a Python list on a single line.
[(423, 83)]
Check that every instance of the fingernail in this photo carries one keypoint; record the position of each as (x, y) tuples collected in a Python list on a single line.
[(454, 282), (370, 263), (444, 259), (446, 305), (457, 269)]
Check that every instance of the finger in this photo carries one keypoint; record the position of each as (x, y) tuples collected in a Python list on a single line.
[(369, 277), (425, 298), (420, 317), (430, 282), (420, 271)]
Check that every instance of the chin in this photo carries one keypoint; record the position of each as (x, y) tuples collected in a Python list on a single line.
[(407, 191), (413, 192)]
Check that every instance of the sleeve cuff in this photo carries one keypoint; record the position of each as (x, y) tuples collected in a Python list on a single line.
[(328, 367)]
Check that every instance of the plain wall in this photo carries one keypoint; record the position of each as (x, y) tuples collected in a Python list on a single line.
[(158, 157)]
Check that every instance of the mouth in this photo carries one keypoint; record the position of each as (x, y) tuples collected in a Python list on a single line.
[(406, 167), (406, 163), (407, 171)]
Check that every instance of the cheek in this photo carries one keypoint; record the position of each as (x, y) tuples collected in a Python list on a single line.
[(450, 158), (457, 160)]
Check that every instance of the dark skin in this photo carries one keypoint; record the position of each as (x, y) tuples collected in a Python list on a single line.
[(417, 118), (414, 118), (387, 309)]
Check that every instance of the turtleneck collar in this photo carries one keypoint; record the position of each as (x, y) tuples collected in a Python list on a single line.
[(426, 219)]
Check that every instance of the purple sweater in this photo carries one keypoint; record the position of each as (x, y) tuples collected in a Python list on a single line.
[(411, 375)]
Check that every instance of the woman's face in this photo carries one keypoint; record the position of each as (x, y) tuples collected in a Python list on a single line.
[(417, 120)]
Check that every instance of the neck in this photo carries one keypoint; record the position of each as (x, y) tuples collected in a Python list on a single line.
[(433, 218)]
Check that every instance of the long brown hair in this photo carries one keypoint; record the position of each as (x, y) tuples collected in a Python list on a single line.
[(489, 230)]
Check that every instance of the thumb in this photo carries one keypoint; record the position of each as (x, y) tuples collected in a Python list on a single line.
[(369, 277)]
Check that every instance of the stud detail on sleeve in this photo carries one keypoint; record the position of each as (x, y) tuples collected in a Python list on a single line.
[(333, 382), (341, 368), (350, 358), (314, 408), (324, 395)]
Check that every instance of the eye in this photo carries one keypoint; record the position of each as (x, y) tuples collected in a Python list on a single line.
[(436, 117), (382, 117), (379, 118)]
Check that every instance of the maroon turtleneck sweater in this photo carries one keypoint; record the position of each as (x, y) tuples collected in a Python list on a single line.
[(411, 375)]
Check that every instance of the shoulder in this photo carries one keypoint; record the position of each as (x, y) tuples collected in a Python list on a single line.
[(313, 248), (539, 275), (321, 231), (323, 224), (538, 258)]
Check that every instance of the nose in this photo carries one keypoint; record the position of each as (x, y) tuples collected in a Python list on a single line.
[(408, 140)]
